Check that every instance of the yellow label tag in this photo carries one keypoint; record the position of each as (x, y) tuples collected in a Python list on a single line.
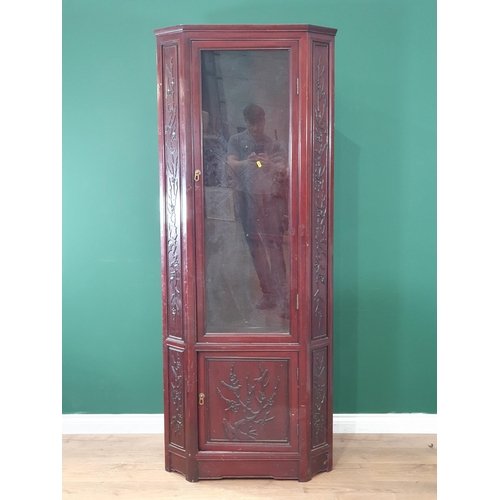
[(259, 164)]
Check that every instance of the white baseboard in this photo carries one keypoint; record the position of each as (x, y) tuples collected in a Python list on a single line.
[(366, 423), (385, 423)]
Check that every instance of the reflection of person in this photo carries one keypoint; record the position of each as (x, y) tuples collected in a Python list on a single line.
[(215, 172), (258, 163)]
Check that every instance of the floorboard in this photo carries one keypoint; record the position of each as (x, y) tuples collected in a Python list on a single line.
[(366, 467)]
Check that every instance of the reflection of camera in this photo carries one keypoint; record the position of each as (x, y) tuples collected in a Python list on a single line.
[(259, 148)]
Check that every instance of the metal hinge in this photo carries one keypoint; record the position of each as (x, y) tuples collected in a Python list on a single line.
[(297, 86), (297, 302)]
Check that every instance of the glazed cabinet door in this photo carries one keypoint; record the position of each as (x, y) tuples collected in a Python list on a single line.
[(244, 177)]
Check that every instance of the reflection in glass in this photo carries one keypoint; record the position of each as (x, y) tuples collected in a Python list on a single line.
[(245, 106)]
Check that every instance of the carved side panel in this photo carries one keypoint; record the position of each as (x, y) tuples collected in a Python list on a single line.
[(173, 202), (247, 400), (321, 166), (176, 382), (320, 413)]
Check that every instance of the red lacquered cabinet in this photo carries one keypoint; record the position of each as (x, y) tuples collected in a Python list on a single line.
[(246, 183)]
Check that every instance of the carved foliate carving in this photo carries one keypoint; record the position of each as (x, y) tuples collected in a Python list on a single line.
[(252, 403), (176, 398), (171, 112), (319, 397), (176, 393), (321, 124)]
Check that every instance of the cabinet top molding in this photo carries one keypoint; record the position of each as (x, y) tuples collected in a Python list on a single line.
[(246, 27)]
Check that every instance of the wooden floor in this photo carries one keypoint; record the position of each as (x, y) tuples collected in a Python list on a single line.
[(366, 467)]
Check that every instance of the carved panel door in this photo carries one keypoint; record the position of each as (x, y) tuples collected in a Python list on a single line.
[(248, 399)]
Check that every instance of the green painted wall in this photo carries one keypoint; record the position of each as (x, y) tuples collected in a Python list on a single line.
[(385, 206)]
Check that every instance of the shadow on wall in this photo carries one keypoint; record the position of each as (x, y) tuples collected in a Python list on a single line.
[(345, 273)]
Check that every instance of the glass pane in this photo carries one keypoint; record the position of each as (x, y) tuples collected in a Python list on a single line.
[(245, 106)]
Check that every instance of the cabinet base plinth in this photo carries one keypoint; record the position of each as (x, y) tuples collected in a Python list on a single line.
[(321, 463), (217, 467)]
